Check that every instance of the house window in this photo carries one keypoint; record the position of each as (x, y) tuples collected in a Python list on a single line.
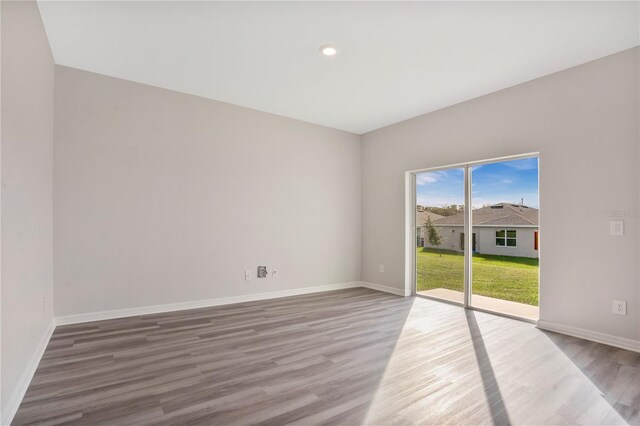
[(506, 237)]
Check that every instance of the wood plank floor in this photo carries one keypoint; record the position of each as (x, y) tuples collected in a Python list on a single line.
[(345, 357)]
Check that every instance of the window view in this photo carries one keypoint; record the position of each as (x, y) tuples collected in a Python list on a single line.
[(505, 223), (504, 237), (439, 257)]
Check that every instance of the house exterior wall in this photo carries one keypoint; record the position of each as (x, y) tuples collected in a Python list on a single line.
[(486, 240), (450, 237)]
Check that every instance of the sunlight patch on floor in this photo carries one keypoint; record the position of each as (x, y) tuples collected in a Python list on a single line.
[(455, 369)]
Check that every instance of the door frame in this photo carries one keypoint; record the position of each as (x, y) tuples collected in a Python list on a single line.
[(410, 230)]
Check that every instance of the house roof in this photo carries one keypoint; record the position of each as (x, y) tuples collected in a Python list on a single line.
[(501, 214), (421, 217)]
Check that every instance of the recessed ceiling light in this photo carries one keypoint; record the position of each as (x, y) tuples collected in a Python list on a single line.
[(328, 50)]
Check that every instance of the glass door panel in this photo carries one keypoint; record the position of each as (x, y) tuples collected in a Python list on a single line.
[(440, 234), (504, 219)]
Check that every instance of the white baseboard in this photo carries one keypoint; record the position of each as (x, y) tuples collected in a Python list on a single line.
[(594, 336), (386, 289), (181, 306), (9, 411)]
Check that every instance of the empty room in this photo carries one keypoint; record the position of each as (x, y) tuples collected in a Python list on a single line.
[(320, 213)]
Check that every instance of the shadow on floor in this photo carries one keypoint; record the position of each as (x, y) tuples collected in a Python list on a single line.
[(499, 413)]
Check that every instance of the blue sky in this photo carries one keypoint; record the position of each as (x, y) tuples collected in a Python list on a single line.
[(507, 181)]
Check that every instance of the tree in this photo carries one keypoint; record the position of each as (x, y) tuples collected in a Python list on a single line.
[(445, 210), (433, 235)]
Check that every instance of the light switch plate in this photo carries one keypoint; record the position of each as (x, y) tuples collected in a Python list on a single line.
[(616, 227), (381, 268), (619, 307)]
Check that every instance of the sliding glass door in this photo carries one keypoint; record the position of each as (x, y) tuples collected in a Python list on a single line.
[(439, 248), (477, 235)]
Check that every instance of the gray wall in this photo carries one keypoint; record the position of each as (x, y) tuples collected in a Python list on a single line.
[(486, 241), (450, 237), (162, 197), (26, 198), (584, 121)]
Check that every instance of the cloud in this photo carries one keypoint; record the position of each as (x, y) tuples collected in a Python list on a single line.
[(526, 164), (429, 177), (425, 178)]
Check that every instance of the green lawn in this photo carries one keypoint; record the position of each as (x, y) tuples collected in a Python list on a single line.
[(501, 277)]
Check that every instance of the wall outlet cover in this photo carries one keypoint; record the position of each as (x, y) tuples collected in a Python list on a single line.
[(619, 307), (616, 227), (247, 275)]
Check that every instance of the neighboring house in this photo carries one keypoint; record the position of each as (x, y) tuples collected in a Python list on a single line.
[(502, 229), (421, 220)]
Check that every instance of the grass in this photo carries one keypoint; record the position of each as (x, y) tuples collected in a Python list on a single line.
[(500, 277)]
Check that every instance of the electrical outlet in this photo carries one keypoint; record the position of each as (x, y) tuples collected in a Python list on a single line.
[(381, 268), (274, 272), (247, 275), (44, 303), (619, 307)]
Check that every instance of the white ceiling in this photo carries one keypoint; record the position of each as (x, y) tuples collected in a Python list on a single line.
[(396, 60)]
